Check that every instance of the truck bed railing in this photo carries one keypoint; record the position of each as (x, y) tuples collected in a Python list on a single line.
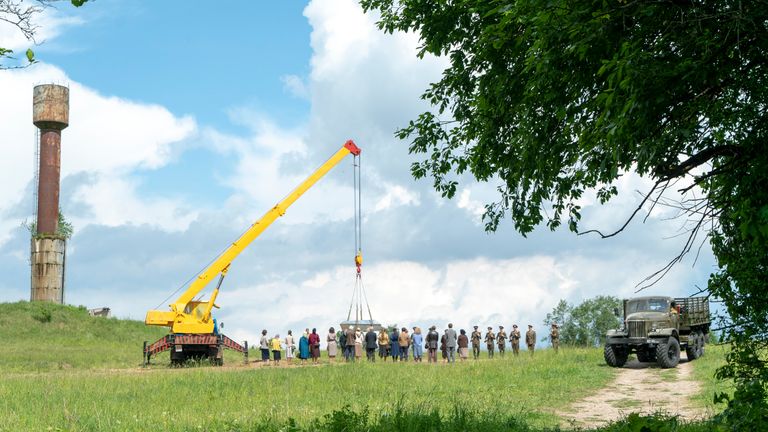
[(693, 310)]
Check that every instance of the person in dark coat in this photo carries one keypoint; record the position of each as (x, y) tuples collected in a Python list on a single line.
[(349, 346), (314, 346), (432, 338), (370, 344), (395, 346), (343, 343), (444, 347), (463, 343)]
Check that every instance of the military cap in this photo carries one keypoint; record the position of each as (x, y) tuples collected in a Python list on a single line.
[(501, 326), (475, 326), (490, 328), (554, 325), (514, 325), (529, 325)]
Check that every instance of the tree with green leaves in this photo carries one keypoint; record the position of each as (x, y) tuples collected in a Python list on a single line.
[(586, 324), (550, 100), (22, 17)]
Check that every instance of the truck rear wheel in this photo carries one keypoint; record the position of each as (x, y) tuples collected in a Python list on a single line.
[(615, 356), (668, 353), (700, 347), (694, 344)]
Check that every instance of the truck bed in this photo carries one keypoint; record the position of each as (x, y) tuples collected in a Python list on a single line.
[(694, 311)]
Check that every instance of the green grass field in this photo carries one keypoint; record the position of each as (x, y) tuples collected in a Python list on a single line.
[(76, 373), (704, 371)]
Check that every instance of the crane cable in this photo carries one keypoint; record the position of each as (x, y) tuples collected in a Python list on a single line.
[(358, 295)]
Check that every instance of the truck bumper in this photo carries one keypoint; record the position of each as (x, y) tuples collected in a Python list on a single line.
[(622, 340)]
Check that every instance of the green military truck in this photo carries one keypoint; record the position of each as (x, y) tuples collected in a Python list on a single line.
[(657, 328)]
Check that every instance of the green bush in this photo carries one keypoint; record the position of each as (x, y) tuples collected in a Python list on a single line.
[(42, 312)]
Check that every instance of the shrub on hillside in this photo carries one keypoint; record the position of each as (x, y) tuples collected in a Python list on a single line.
[(42, 312)]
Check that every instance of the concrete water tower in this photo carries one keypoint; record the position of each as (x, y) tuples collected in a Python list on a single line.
[(50, 114)]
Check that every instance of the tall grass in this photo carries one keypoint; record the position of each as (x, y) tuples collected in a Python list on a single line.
[(68, 371), (704, 371)]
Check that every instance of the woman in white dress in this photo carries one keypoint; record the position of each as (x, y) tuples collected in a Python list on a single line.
[(289, 347), (332, 345), (358, 344)]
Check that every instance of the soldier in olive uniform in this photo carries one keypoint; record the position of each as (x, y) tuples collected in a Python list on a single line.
[(554, 336), (501, 340), (490, 341), (514, 339), (476, 337), (530, 339)]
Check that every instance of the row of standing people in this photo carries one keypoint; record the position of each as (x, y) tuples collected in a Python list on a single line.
[(499, 340), (398, 344)]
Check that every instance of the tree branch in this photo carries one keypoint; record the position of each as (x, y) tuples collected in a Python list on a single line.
[(639, 207)]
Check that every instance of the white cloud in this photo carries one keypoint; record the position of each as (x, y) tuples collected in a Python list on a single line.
[(107, 139), (474, 207), (114, 201), (49, 23), (477, 291), (364, 84), (295, 86), (396, 196)]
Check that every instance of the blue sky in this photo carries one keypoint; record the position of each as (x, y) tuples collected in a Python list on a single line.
[(189, 123), (191, 59)]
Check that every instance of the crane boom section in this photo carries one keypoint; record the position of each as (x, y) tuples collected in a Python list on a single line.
[(181, 318)]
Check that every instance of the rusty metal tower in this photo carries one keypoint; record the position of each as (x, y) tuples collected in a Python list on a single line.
[(50, 114)]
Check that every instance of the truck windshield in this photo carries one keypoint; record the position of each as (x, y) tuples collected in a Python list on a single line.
[(648, 305)]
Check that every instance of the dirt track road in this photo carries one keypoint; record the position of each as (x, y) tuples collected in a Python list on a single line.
[(639, 387)]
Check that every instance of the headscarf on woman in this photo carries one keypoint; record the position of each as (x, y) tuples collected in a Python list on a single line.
[(304, 347)]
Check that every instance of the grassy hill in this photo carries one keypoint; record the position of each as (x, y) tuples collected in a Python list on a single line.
[(45, 337), (61, 369)]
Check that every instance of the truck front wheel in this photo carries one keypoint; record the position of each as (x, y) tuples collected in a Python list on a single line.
[(668, 353), (615, 355)]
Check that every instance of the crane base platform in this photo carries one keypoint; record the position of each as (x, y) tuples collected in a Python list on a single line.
[(197, 347)]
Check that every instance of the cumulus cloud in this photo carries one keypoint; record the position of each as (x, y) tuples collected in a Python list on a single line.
[(49, 23), (295, 86), (428, 260), (108, 138)]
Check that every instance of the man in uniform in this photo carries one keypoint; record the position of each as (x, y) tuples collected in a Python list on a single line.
[(554, 336), (530, 339), (490, 341), (476, 336), (514, 339), (501, 340)]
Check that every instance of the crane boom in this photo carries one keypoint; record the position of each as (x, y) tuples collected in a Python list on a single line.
[(194, 317)]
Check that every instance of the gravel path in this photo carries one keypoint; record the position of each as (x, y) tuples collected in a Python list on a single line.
[(639, 387)]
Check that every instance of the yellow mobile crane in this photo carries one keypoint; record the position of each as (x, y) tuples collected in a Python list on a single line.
[(193, 330)]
